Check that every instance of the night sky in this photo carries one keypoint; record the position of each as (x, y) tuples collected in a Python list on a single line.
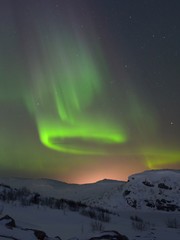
[(89, 89)]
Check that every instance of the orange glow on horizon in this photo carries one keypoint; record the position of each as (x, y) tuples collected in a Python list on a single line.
[(99, 174), (114, 169)]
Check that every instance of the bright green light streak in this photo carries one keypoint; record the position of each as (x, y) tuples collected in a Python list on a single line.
[(49, 137), (67, 83)]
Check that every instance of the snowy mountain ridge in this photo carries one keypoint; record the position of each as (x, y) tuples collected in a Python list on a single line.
[(154, 189), (145, 207)]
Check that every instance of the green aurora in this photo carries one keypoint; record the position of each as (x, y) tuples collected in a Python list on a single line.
[(63, 92), (68, 99)]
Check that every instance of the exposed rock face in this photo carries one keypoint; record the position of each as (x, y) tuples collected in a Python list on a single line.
[(40, 234), (9, 221), (158, 190), (109, 235)]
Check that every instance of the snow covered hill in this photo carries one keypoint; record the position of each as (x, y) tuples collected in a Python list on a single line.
[(158, 190), (96, 194), (9, 230), (146, 207)]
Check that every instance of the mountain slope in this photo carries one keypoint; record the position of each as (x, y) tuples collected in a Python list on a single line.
[(146, 207), (156, 189)]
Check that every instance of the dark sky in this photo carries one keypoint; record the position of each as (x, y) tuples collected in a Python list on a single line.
[(89, 89)]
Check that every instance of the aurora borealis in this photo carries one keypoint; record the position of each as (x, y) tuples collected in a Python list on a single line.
[(89, 89), (63, 91)]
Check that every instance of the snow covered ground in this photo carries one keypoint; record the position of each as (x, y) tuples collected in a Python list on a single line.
[(141, 222), (67, 224)]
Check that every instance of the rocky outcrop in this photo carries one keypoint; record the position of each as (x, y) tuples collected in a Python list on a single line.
[(40, 235), (9, 223), (157, 189), (109, 235)]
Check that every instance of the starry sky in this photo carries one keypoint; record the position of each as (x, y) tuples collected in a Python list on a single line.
[(89, 89)]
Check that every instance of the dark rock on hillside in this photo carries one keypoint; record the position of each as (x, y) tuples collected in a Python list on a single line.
[(148, 183), (165, 206), (10, 223), (126, 192), (40, 234), (164, 186), (109, 235), (5, 186), (57, 237)]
